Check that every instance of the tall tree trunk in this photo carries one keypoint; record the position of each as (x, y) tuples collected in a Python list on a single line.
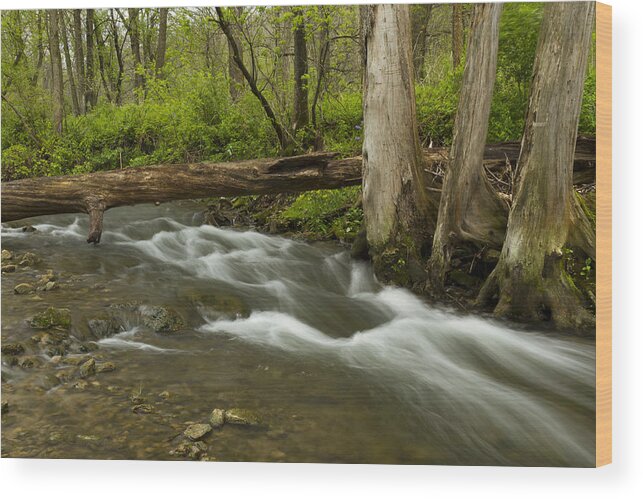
[(118, 49), (75, 106), (79, 59), (398, 213), (135, 43), (322, 68), (470, 210), (234, 73), (161, 43), (457, 34), (41, 50), (300, 67), (100, 51), (56, 71), (91, 95), (529, 281), (419, 27)]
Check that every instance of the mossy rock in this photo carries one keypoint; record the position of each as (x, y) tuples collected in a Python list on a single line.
[(242, 417), (162, 319), (52, 318), (105, 326)]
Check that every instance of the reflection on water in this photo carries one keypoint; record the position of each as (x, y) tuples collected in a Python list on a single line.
[(340, 368)]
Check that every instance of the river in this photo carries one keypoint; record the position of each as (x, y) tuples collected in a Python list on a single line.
[(338, 367)]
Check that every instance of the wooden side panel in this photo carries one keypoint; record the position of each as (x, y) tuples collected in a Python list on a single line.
[(603, 234)]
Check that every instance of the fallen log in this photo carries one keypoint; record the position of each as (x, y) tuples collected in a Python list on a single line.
[(93, 193)]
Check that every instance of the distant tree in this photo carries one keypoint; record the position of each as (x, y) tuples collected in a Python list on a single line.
[(161, 45), (53, 32)]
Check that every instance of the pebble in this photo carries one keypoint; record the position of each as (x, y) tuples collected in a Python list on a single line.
[(105, 367), (142, 409)]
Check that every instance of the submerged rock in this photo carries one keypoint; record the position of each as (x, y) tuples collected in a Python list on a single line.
[(29, 228), (162, 319), (13, 348), (30, 362), (8, 269), (5, 407), (105, 367), (52, 318), (241, 417), (105, 326), (226, 305), (164, 395), (191, 450), (50, 286), (23, 289), (28, 260), (217, 418), (197, 431), (6, 255), (142, 409), (88, 368)]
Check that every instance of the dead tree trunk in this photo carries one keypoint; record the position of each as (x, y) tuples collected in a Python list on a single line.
[(96, 192), (529, 281), (397, 210), (470, 210)]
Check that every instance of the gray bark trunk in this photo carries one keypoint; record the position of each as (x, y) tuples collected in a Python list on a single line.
[(529, 281), (397, 209), (300, 65), (470, 210), (161, 42)]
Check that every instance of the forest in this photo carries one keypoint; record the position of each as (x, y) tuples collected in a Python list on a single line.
[(397, 201)]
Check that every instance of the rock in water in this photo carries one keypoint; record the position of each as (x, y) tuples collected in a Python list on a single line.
[(6, 255), (13, 348), (29, 260), (5, 407), (88, 368), (191, 450), (162, 319), (52, 318), (8, 269), (142, 409), (197, 431), (105, 367), (23, 289), (104, 327), (241, 417), (217, 418)]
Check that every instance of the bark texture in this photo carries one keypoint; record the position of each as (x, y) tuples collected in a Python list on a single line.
[(234, 73), (529, 281), (397, 208), (470, 210), (161, 43)]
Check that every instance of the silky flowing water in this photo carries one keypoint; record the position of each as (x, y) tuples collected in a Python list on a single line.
[(338, 367)]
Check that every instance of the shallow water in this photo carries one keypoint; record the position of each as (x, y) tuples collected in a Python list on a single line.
[(338, 367)]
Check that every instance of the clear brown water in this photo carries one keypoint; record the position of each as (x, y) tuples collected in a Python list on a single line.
[(339, 368)]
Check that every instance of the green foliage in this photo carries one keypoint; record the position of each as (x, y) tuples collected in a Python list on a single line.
[(326, 213)]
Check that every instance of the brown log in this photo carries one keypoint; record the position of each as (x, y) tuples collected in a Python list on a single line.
[(96, 192)]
